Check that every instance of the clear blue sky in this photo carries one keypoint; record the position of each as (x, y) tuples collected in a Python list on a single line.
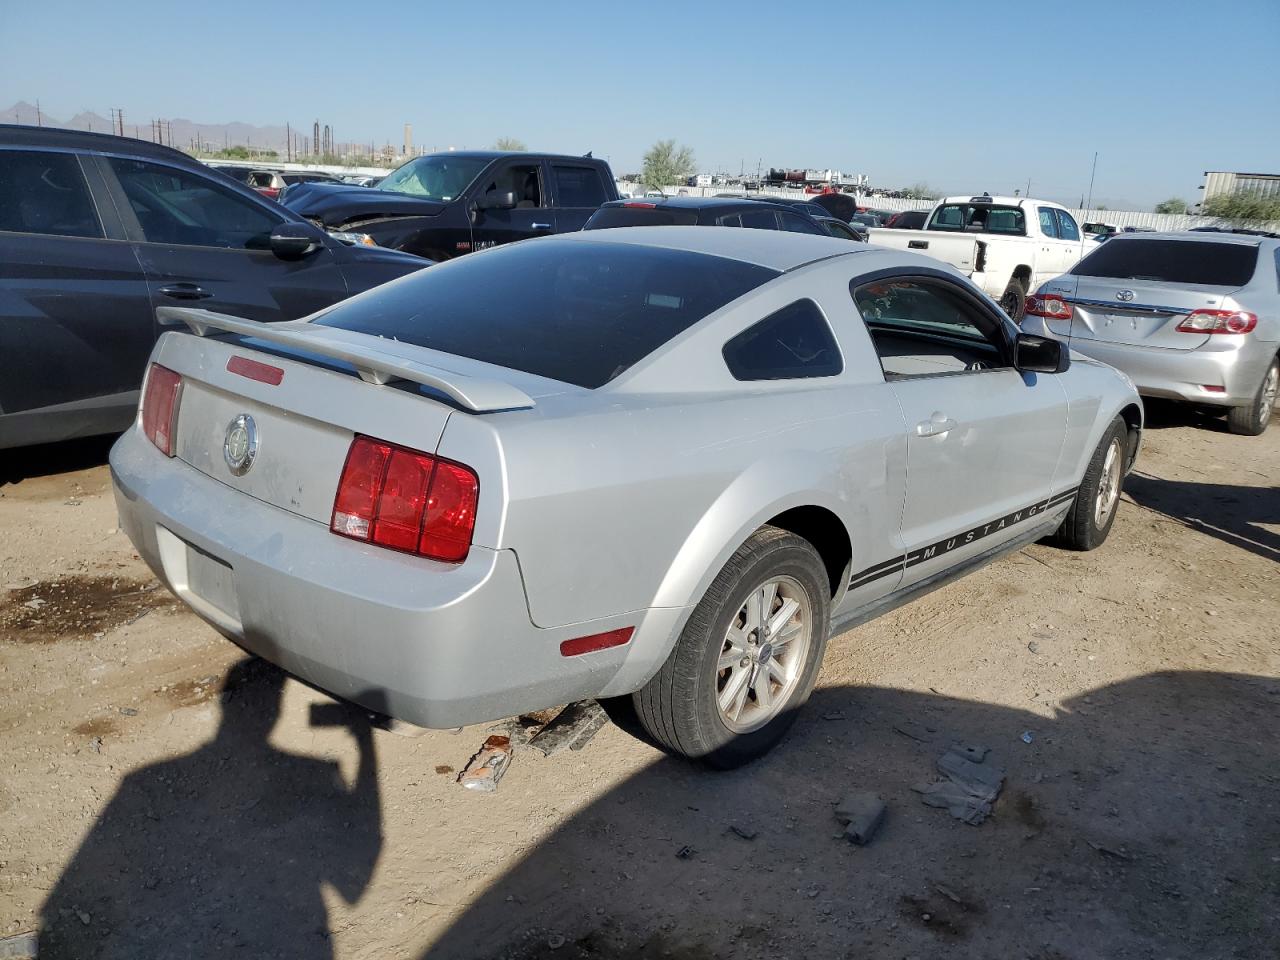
[(966, 96)]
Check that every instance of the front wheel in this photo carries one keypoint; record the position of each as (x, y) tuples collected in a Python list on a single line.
[(1094, 509), (1252, 420), (748, 657)]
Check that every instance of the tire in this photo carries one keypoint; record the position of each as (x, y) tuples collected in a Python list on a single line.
[(679, 708), (1089, 520), (1252, 420), (1014, 300)]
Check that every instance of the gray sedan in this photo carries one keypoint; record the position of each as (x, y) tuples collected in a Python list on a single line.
[(1191, 316), (646, 463)]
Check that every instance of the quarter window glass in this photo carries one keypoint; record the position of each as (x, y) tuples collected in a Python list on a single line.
[(760, 220), (925, 329), (1067, 229), (793, 343), (732, 220), (1048, 222), (793, 223), (179, 207), (45, 193), (579, 186)]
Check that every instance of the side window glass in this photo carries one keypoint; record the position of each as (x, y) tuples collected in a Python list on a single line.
[(920, 328), (579, 186), (759, 219), (730, 220), (792, 343), (45, 193), (176, 206), (1048, 223), (524, 180), (1067, 229), (793, 223), (1278, 268)]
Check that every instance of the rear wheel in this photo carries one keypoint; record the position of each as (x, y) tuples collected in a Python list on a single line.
[(748, 657), (1094, 509), (1252, 420), (1014, 300)]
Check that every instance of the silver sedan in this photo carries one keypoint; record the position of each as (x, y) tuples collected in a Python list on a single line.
[(1192, 316), (647, 463)]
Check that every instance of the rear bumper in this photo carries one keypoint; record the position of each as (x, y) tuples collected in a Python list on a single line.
[(1236, 367), (439, 645)]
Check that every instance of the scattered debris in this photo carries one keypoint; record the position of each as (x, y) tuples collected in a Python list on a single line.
[(911, 729), (128, 712), (1033, 646), (555, 941), (746, 833), (971, 751), (572, 728), (21, 946), (96, 744), (949, 894), (861, 812), (35, 603), (488, 765), (685, 853), (1027, 736), (443, 768), (835, 715), (1110, 851), (969, 790)]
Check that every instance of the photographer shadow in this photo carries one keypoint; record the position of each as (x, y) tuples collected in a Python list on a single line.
[(222, 852)]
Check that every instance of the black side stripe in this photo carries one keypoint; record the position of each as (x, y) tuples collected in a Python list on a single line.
[(942, 547)]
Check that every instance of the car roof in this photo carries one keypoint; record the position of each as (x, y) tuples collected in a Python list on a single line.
[(680, 203), (496, 154), (1188, 236), (16, 135), (1004, 201), (774, 249)]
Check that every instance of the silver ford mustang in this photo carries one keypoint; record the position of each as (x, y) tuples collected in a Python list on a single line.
[(652, 463)]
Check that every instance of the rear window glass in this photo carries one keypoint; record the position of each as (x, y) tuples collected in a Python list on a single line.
[(980, 218), (640, 217), (576, 311), (1172, 261)]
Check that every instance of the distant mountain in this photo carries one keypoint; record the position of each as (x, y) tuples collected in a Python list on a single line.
[(182, 133)]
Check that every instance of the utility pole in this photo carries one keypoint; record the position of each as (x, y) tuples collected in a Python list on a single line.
[(288, 143), (1092, 173), (39, 118)]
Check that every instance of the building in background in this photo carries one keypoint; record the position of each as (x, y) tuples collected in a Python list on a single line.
[(1219, 182)]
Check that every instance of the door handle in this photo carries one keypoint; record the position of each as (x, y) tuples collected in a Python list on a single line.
[(540, 226), (917, 244), (185, 291), (935, 426)]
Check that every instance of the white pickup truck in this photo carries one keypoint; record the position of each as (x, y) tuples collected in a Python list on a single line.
[(1007, 245)]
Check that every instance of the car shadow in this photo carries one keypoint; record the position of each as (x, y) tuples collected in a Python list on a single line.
[(223, 852), (45, 459), (1237, 515), (1139, 819)]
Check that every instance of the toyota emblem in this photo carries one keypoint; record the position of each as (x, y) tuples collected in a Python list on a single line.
[(1125, 295), (241, 444)]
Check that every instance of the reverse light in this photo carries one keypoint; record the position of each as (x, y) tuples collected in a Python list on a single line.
[(1218, 321), (160, 407), (596, 641), (1049, 306), (406, 500)]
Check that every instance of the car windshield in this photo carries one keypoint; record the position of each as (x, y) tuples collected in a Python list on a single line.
[(1172, 261), (442, 178), (577, 311), (980, 218)]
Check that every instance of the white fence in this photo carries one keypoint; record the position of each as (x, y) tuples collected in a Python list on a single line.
[(1118, 218)]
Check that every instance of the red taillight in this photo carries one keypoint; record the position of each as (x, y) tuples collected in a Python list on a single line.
[(406, 500), (647, 206), (160, 407), (1048, 306), (597, 641), (1218, 321), (269, 192)]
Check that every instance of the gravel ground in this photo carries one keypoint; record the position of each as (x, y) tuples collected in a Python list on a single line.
[(160, 796)]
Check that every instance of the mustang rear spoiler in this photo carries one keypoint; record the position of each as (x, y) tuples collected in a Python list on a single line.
[(373, 365)]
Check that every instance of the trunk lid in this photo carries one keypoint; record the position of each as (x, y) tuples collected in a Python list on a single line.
[(1140, 312), (308, 391)]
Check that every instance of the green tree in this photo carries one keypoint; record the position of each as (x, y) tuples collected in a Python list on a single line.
[(509, 143), (1243, 208), (920, 191), (667, 164), (1172, 205)]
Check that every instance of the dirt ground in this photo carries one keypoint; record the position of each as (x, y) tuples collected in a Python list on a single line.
[(161, 797)]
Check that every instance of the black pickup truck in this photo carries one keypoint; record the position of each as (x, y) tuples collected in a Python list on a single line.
[(445, 204)]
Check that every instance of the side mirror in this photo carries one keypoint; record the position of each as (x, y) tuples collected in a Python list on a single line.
[(293, 241), (496, 201), (1034, 354)]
